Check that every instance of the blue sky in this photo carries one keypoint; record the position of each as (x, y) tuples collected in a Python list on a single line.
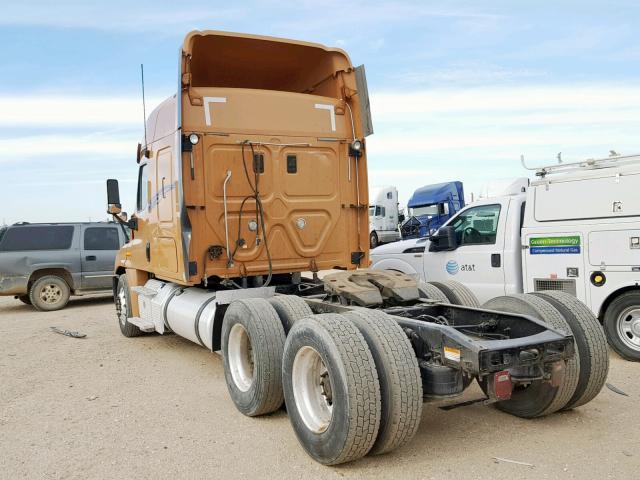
[(458, 89)]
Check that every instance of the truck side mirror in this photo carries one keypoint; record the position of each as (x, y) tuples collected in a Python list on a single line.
[(444, 240), (113, 197)]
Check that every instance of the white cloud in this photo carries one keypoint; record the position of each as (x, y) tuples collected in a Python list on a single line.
[(65, 110), (46, 146)]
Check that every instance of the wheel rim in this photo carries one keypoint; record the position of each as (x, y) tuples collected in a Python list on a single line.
[(628, 326), (50, 293), (240, 355), (312, 390), (122, 306)]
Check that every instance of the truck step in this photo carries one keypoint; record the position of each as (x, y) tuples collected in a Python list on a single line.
[(142, 324), (144, 291)]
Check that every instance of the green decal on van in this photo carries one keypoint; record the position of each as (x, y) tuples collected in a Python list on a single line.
[(569, 241)]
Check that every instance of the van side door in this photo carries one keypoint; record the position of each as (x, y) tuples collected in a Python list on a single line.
[(99, 245)]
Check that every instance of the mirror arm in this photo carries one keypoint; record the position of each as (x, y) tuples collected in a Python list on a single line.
[(122, 223)]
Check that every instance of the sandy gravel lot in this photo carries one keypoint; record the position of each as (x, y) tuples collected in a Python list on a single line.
[(157, 407)]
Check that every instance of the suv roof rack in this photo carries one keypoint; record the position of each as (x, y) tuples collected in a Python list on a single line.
[(614, 160)]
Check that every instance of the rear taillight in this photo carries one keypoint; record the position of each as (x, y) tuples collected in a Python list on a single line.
[(502, 386)]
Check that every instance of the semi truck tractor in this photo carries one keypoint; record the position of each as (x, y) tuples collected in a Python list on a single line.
[(384, 215), (254, 173), (430, 206), (575, 230)]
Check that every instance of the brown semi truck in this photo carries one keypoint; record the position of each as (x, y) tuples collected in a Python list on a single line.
[(254, 173)]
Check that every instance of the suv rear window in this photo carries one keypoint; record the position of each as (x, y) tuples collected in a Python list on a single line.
[(23, 238), (98, 238)]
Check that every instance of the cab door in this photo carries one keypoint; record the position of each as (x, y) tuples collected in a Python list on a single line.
[(478, 260), (98, 252)]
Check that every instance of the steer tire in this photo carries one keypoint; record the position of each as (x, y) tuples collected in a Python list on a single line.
[(373, 240), (49, 293), (457, 293), (252, 346), (331, 388), (622, 309), (399, 376), (123, 308), (539, 398), (24, 299), (590, 344), (431, 292), (290, 309)]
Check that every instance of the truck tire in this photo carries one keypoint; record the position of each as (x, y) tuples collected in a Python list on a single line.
[(399, 377), (290, 309), (373, 240), (431, 292), (622, 325), (252, 346), (49, 293), (539, 398), (457, 293), (331, 388), (24, 299), (590, 343), (123, 308)]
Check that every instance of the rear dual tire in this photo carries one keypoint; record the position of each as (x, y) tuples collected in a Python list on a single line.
[(331, 389), (585, 373)]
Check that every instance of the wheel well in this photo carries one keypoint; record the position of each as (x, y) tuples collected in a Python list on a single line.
[(612, 296), (58, 272), (216, 340)]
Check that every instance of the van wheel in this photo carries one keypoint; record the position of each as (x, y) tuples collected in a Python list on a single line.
[(399, 376), (373, 240), (24, 299), (331, 388), (622, 325), (457, 293), (123, 308), (590, 344), (537, 398), (49, 293), (252, 346)]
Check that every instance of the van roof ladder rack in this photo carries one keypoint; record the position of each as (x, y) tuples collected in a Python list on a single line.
[(613, 160)]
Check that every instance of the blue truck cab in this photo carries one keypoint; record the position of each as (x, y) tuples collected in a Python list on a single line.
[(430, 207)]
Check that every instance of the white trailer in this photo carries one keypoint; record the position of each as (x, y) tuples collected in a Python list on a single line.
[(576, 230), (384, 215)]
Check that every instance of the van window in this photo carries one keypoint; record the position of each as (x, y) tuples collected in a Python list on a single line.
[(24, 238), (98, 238), (477, 225), (143, 187)]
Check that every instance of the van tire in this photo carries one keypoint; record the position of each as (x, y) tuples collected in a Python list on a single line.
[(590, 342), (290, 309), (613, 316), (539, 398), (252, 347), (330, 345), (122, 300), (431, 292), (49, 293), (457, 293), (399, 376)]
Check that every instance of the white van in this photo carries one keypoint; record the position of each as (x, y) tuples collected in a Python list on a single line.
[(576, 229)]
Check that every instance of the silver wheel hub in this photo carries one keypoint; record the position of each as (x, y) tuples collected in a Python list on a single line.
[(312, 389), (240, 357), (629, 327), (50, 293), (122, 306)]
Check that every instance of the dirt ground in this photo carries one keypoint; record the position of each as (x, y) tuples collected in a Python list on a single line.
[(157, 407)]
